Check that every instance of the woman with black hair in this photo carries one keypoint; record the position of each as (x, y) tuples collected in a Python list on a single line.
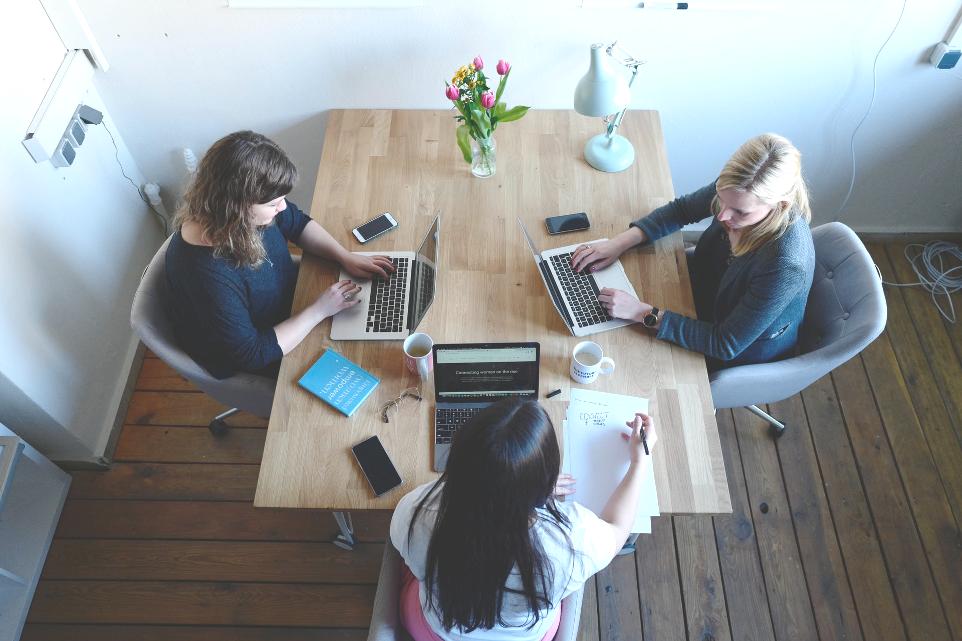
[(490, 554)]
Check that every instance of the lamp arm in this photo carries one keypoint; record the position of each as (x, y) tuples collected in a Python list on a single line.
[(614, 124)]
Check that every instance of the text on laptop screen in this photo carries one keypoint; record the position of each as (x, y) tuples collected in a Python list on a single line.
[(478, 373)]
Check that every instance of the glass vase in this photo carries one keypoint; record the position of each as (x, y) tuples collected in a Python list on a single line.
[(483, 157)]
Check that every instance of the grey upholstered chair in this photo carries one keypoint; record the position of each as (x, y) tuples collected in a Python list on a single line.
[(845, 312), (386, 622), (148, 317)]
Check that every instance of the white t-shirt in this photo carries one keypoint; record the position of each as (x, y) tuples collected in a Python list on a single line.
[(589, 551)]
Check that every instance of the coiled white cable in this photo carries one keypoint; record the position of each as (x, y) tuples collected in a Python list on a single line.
[(928, 261)]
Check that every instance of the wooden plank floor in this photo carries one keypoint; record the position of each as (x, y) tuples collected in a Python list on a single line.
[(846, 528)]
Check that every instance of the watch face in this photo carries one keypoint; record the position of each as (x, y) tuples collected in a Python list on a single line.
[(649, 320)]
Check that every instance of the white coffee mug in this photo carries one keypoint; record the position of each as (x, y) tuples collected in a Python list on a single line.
[(417, 354), (588, 360)]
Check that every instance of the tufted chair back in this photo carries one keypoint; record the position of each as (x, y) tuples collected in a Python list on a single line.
[(845, 312)]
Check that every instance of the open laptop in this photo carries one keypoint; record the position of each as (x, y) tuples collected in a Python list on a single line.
[(575, 295), (392, 309), (469, 377)]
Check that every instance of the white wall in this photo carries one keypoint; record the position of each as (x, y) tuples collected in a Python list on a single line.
[(73, 242), (186, 72)]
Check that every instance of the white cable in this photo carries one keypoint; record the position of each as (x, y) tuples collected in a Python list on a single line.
[(190, 160), (851, 184), (929, 265)]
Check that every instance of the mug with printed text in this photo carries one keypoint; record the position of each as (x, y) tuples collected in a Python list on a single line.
[(417, 354), (587, 361)]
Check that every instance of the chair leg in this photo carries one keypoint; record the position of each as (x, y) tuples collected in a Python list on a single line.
[(776, 427), (217, 426)]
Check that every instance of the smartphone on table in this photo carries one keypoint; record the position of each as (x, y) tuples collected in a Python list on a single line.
[(376, 465), (566, 223), (374, 227)]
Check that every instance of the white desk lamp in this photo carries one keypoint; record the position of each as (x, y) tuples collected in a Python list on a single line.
[(604, 91)]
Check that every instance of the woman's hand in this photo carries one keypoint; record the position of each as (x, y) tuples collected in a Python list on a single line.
[(564, 486), (621, 304), (596, 255), (367, 267), (340, 295), (641, 422), (599, 255)]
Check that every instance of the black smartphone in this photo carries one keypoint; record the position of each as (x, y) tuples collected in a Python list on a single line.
[(569, 222), (374, 227), (376, 465)]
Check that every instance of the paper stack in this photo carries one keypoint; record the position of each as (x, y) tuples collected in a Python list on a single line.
[(596, 454)]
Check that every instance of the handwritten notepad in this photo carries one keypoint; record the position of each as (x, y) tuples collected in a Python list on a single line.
[(597, 456), (339, 382)]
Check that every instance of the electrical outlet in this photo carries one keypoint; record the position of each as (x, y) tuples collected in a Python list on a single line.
[(64, 155), (945, 56)]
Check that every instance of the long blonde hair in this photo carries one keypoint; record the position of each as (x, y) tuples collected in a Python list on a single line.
[(770, 168), (239, 170)]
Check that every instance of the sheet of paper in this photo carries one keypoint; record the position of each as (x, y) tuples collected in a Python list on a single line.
[(597, 456)]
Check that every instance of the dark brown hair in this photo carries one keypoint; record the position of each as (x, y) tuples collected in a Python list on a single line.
[(503, 466), (239, 170)]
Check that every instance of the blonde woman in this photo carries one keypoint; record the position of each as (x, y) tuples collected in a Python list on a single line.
[(229, 272), (751, 270)]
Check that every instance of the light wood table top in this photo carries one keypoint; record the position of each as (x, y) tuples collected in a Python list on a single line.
[(488, 290)]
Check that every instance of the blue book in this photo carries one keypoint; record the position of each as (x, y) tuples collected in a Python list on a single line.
[(339, 382)]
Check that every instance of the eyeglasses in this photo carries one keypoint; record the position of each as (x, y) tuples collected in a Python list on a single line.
[(412, 392)]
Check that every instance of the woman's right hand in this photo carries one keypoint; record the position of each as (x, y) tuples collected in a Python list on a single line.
[(639, 423), (340, 295), (596, 255), (601, 254)]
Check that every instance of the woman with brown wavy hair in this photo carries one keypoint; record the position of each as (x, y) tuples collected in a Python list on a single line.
[(229, 271)]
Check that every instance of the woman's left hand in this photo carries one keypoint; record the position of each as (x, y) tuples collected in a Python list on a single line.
[(368, 266), (621, 304), (565, 485)]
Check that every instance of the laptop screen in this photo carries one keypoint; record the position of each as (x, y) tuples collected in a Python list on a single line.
[(485, 371), (423, 275)]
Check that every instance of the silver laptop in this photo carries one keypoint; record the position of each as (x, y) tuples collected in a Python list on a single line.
[(575, 295), (469, 377), (392, 309)]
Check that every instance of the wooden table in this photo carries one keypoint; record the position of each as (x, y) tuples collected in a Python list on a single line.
[(488, 289)]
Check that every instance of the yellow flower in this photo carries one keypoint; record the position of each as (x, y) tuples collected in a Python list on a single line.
[(471, 66)]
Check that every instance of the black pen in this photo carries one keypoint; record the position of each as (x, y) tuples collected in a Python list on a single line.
[(644, 441), (554, 393)]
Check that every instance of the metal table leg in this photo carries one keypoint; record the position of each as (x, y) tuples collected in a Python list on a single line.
[(345, 540)]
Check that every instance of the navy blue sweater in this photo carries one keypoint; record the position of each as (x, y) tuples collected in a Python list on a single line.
[(749, 309), (224, 315)]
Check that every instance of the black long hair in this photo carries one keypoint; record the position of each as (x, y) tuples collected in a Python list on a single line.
[(502, 466)]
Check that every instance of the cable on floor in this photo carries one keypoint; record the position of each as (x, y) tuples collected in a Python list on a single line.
[(932, 264)]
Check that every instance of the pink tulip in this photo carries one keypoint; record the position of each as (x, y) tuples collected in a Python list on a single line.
[(478, 63), (503, 67), (487, 99), (452, 92)]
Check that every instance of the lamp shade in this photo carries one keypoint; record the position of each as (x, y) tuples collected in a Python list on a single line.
[(604, 89)]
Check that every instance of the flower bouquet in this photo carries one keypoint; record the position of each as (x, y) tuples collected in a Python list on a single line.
[(481, 110)]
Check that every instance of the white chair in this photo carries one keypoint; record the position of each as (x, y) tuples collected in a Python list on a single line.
[(845, 312), (148, 317), (386, 622)]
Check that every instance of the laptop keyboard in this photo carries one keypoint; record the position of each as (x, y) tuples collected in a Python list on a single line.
[(385, 311), (581, 290), (447, 421)]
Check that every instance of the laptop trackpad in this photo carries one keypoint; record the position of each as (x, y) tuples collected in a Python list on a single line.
[(441, 451)]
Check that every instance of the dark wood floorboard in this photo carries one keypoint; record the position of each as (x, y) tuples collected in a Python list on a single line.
[(847, 528)]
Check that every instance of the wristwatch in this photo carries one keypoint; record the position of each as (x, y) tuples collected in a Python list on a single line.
[(651, 318)]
